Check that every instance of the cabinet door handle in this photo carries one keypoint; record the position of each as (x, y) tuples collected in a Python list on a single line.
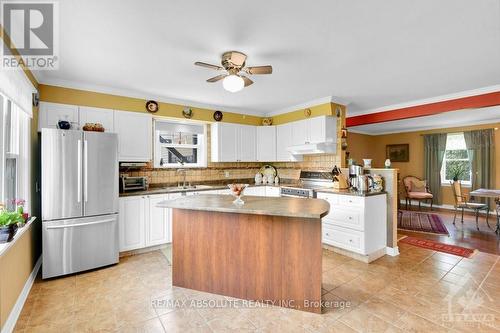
[(350, 217)]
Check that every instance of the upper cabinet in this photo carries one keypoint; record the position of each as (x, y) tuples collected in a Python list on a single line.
[(134, 136), (52, 113), (97, 115), (314, 130), (284, 139), (266, 143), (233, 142)]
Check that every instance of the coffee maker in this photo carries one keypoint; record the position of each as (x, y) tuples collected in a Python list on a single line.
[(354, 172)]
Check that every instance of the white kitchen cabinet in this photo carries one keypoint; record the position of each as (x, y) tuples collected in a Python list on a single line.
[(132, 221), (255, 190), (314, 130), (273, 191), (224, 143), (157, 228), (357, 224), (97, 115), (52, 113), (142, 224), (134, 136), (299, 132), (284, 139), (233, 143), (266, 143), (247, 143)]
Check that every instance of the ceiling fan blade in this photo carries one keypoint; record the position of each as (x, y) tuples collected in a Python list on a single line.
[(216, 78), (204, 64), (247, 81), (238, 58), (259, 69)]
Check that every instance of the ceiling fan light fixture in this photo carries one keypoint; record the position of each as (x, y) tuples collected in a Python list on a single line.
[(233, 83)]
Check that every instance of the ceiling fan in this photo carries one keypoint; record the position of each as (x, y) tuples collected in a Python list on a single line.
[(233, 64)]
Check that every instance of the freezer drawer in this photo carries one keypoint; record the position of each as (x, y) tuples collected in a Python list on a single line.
[(75, 245)]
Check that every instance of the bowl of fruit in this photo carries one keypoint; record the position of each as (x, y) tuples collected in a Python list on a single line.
[(237, 190)]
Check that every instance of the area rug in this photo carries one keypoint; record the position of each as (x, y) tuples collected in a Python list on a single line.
[(421, 222), (437, 246)]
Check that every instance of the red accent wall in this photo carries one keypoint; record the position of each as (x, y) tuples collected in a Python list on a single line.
[(478, 101)]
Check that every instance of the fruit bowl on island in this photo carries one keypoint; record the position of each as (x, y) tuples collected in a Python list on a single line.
[(237, 190)]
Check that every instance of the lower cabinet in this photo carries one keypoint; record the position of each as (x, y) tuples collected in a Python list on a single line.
[(357, 224), (142, 224)]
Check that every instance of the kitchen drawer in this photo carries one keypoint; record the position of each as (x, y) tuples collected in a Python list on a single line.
[(350, 200), (343, 238), (332, 199), (350, 218)]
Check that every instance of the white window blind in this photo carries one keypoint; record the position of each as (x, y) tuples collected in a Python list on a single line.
[(18, 88)]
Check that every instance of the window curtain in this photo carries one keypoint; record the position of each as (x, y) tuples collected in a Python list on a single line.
[(434, 149), (481, 149)]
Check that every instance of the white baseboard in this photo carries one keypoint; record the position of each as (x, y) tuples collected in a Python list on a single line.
[(392, 251), (18, 307)]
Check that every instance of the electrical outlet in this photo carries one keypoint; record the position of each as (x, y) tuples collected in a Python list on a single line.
[(226, 174)]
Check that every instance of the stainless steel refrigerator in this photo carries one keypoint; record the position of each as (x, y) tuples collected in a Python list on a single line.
[(79, 201)]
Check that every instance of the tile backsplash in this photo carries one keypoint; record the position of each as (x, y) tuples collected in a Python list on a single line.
[(238, 170)]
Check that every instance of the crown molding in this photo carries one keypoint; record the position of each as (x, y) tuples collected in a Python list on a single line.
[(441, 98), (146, 96), (308, 104)]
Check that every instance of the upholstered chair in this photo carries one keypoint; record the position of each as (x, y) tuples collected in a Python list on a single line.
[(416, 189)]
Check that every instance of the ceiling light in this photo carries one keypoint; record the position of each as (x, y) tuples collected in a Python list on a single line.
[(233, 83)]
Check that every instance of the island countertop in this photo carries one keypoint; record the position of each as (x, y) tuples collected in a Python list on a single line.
[(273, 206)]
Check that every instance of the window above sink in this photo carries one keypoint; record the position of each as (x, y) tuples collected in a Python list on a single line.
[(179, 144)]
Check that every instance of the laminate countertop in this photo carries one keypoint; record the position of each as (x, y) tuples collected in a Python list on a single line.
[(272, 206)]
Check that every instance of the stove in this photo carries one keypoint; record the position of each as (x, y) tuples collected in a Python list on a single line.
[(309, 182)]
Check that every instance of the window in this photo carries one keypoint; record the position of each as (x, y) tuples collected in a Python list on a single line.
[(456, 159), (179, 145), (14, 154)]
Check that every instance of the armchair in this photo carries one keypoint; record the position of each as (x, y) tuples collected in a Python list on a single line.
[(416, 189)]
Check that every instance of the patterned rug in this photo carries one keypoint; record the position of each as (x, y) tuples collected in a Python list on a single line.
[(421, 222), (437, 246)]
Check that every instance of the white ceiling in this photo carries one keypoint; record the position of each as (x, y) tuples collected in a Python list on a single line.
[(370, 53), (451, 119)]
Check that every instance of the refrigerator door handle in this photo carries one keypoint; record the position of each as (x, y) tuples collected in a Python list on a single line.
[(79, 172), (79, 224), (86, 172)]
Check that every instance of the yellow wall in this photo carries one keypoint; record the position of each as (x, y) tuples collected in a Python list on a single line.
[(62, 95), (16, 265), (373, 146)]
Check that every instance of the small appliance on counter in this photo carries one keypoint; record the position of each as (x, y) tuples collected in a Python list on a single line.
[(133, 184), (354, 172)]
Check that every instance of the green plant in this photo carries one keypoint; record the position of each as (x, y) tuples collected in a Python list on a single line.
[(457, 170), (10, 218)]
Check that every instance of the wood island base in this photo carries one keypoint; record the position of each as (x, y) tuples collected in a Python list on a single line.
[(273, 259)]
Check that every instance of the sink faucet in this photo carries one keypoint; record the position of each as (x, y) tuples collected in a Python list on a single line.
[(183, 171)]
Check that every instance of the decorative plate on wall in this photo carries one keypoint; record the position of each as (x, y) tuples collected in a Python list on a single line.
[(152, 106), (267, 121), (307, 113), (218, 115), (187, 113)]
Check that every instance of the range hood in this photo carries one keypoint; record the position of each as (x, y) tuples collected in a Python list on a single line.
[(314, 148)]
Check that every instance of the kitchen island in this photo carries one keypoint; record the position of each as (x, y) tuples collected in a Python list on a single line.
[(267, 250)]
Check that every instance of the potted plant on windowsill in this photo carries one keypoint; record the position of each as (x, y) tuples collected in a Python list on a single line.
[(457, 171), (8, 225)]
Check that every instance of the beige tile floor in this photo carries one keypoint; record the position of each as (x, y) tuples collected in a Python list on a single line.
[(419, 291)]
